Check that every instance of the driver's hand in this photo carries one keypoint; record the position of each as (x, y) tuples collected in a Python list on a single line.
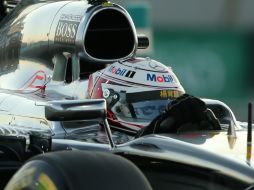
[(186, 113)]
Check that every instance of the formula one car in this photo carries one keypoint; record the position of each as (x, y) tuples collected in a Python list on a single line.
[(48, 50), (162, 161)]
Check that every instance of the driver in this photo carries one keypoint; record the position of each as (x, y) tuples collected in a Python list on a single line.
[(139, 91)]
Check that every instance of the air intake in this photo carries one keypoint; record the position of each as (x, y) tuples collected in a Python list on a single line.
[(109, 35)]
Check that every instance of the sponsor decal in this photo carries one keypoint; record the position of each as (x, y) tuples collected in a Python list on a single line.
[(121, 72), (170, 93), (66, 29), (70, 17), (36, 81), (159, 78)]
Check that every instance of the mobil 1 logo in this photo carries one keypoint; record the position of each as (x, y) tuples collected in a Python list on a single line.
[(121, 72), (66, 29)]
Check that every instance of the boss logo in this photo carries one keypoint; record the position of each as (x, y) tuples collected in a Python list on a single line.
[(66, 31)]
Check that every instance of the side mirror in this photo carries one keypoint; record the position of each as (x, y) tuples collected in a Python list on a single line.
[(67, 110), (222, 112), (71, 110)]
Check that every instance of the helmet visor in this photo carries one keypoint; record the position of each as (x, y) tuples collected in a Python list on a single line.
[(144, 110), (141, 106)]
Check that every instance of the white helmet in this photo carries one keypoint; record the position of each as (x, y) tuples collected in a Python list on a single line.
[(136, 90)]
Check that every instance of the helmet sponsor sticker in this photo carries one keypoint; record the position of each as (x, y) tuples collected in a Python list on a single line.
[(121, 72), (159, 78), (153, 95), (170, 93), (135, 76)]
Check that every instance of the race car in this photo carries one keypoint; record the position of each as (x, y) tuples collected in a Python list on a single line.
[(44, 105), (53, 61), (161, 161)]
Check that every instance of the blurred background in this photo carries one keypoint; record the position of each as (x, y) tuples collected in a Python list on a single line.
[(208, 43)]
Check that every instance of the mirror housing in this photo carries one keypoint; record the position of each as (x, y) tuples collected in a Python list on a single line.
[(69, 110)]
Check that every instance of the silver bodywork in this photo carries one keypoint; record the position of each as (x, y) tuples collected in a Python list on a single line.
[(44, 49), (48, 49)]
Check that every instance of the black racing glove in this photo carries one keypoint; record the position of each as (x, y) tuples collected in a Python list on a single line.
[(186, 113)]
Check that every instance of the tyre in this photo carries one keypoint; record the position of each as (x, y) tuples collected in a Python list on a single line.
[(75, 170)]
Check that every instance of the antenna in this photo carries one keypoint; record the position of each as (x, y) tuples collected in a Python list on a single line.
[(249, 134)]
